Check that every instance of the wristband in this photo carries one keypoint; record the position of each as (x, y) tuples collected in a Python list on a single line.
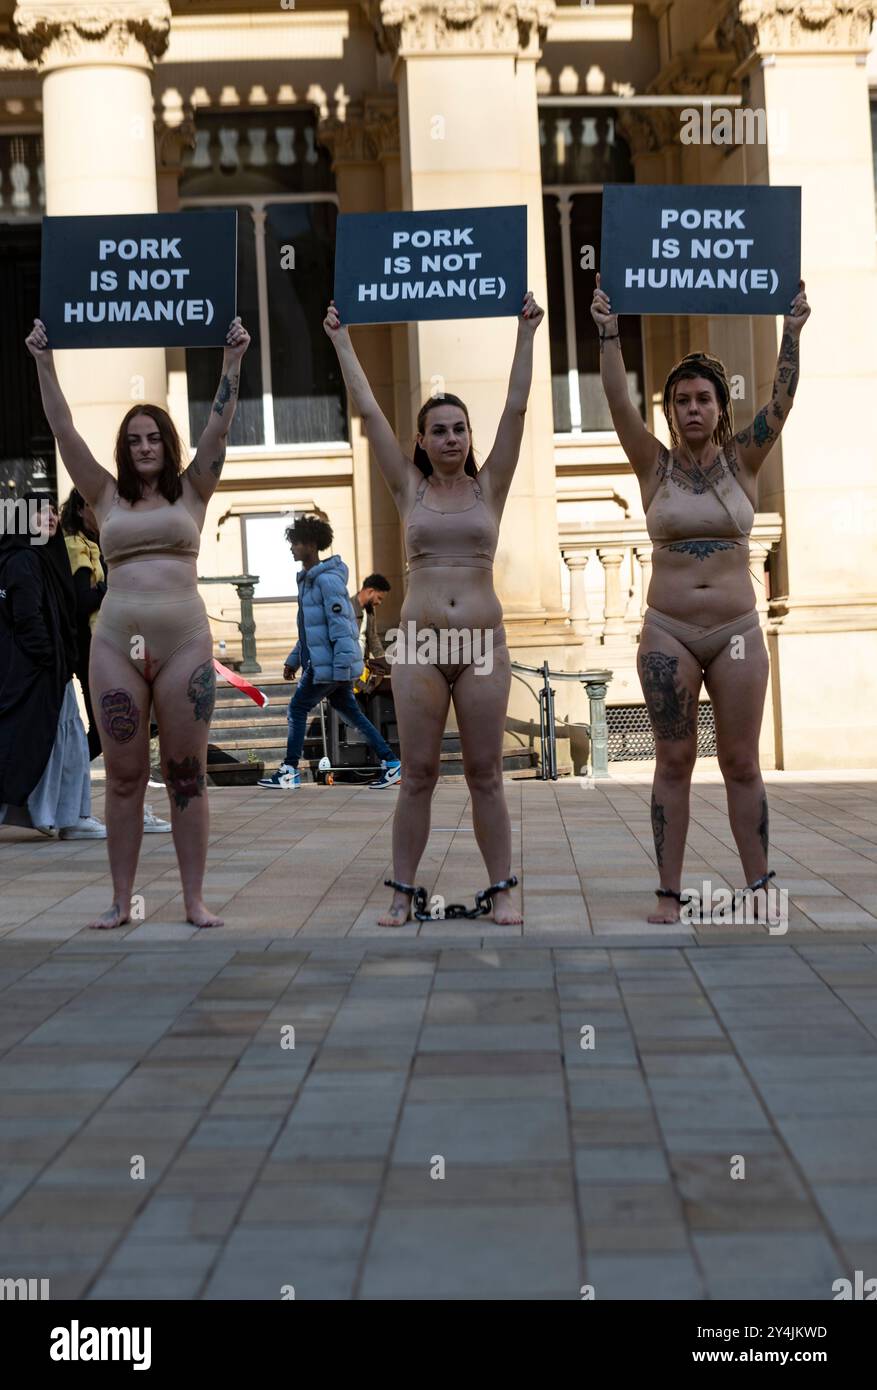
[(608, 336)]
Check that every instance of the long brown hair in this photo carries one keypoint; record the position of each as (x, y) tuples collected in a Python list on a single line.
[(130, 483), (421, 458), (702, 364)]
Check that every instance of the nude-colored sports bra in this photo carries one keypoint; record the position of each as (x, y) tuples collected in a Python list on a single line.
[(675, 515), (467, 538), (131, 535)]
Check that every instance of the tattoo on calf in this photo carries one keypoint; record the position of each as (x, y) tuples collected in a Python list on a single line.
[(672, 709), (202, 690), (659, 825), (120, 715), (185, 780), (762, 825), (700, 548)]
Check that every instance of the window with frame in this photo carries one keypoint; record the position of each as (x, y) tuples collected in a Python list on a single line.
[(266, 552), (581, 151), (269, 166)]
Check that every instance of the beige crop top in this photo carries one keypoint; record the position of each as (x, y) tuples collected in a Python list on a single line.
[(131, 535), (467, 538), (722, 511)]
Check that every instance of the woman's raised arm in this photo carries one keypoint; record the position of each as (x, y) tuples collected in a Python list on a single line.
[(205, 469), (87, 474), (750, 447), (501, 462), (642, 448), (396, 468)]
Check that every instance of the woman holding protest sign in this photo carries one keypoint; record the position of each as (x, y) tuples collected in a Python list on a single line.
[(451, 512), (152, 640), (701, 625)]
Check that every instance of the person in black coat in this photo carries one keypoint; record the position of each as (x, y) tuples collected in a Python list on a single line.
[(81, 537), (38, 655)]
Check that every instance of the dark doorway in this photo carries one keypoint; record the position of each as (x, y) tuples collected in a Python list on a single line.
[(27, 449)]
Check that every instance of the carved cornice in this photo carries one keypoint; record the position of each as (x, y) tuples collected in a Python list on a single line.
[(648, 130), (57, 34), (753, 27), (348, 141), (409, 27), (697, 74), (369, 132)]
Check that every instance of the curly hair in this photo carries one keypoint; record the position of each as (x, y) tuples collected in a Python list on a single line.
[(169, 483), (421, 458), (701, 364), (310, 530)]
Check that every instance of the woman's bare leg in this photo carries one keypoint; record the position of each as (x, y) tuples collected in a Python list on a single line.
[(737, 686), (481, 704), (120, 698), (421, 696), (184, 692), (671, 680)]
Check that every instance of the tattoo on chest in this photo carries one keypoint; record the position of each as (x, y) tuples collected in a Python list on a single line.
[(694, 480), (700, 548), (202, 691)]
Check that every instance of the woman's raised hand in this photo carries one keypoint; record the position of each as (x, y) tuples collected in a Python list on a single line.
[(531, 313), (601, 312), (37, 342), (237, 340), (800, 313), (333, 326)]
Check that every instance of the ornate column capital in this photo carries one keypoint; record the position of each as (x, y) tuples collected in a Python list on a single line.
[(348, 141), (409, 27), (63, 33), (382, 125), (750, 28), (648, 129)]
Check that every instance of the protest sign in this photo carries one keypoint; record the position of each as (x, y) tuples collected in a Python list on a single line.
[(681, 249), (142, 280), (396, 267)]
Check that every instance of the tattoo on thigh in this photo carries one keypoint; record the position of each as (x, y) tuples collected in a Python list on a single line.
[(202, 690), (762, 825), (672, 709), (659, 825), (120, 716), (185, 780)]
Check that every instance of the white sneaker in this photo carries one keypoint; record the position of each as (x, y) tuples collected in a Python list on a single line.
[(152, 824), (47, 830), (86, 828)]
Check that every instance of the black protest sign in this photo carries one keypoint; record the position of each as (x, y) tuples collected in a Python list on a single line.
[(396, 267), (166, 279), (681, 249)]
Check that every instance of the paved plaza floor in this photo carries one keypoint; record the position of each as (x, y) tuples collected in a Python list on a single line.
[(302, 1100)]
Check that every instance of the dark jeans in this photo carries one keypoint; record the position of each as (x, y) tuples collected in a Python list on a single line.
[(341, 697), (81, 670)]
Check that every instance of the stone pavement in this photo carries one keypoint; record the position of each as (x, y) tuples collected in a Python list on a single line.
[(446, 1124)]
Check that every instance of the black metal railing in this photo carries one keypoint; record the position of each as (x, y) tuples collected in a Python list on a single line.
[(596, 684)]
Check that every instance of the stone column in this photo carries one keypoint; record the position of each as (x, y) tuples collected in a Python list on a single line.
[(470, 137), (615, 606), (96, 60), (579, 617), (804, 64), (356, 145), (643, 554)]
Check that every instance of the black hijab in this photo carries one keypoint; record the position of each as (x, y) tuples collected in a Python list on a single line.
[(57, 577)]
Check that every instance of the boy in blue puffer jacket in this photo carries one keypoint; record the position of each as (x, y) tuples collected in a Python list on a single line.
[(328, 652)]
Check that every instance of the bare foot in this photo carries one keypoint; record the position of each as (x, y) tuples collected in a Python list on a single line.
[(505, 914), (199, 916), (398, 912), (113, 917), (666, 914)]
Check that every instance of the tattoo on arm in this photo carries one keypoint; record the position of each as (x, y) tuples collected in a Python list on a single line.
[(185, 780), (120, 715), (763, 435), (216, 465), (788, 364), (665, 463), (202, 690), (227, 388), (659, 825)]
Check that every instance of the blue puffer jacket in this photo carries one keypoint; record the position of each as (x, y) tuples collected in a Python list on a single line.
[(328, 633)]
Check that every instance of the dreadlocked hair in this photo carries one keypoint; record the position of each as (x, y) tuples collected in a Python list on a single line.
[(702, 364)]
